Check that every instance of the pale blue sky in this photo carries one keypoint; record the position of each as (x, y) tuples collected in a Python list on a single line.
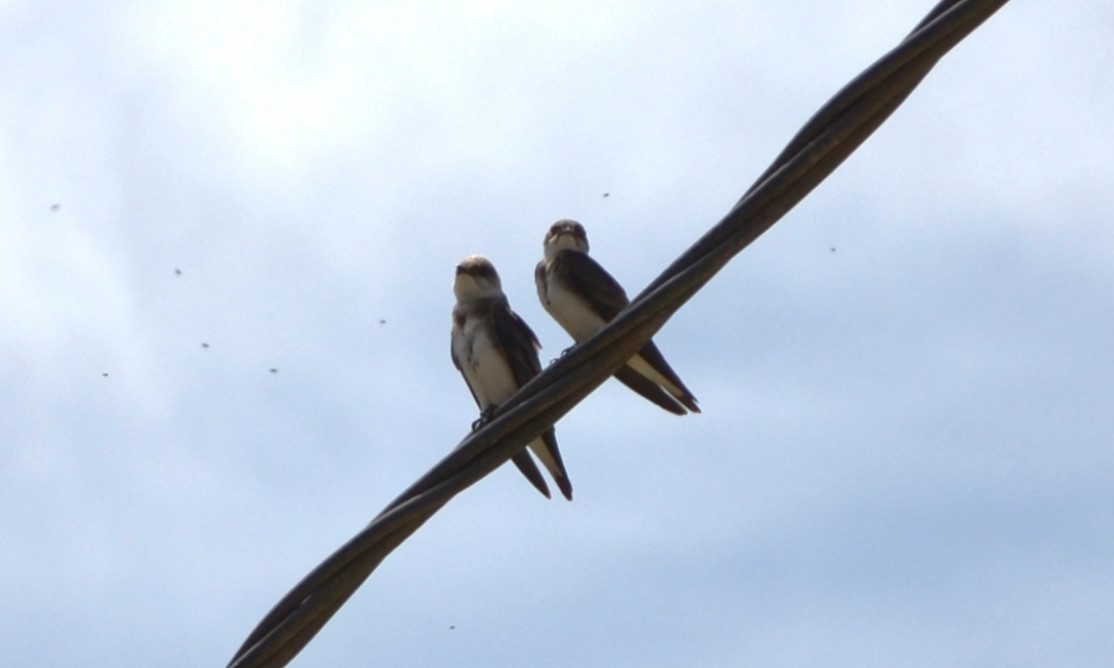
[(905, 452)]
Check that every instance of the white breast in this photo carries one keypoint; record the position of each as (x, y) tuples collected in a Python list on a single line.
[(569, 310), (485, 369)]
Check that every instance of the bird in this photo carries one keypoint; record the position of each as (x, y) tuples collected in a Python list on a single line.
[(496, 352), (582, 297)]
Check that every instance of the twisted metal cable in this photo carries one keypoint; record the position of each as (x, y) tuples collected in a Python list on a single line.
[(828, 138)]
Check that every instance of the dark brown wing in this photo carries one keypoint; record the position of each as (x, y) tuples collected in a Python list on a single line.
[(587, 278), (520, 346), (654, 358), (526, 465), (518, 342), (648, 389), (560, 476)]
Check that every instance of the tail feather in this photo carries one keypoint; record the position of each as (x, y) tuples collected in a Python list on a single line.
[(649, 390), (659, 371), (529, 469), (545, 448)]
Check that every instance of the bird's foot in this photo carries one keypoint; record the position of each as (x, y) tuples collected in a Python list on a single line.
[(485, 417), (564, 352)]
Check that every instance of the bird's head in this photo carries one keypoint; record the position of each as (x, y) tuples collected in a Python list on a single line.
[(476, 278), (565, 235)]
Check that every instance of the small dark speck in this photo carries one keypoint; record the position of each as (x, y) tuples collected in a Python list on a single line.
[(204, 345), (832, 249), (607, 194), (105, 374), (177, 272), (55, 207), (274, 370), (382, 322), (451, 627)]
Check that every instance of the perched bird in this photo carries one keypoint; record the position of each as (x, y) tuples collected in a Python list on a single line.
[(497, 353), (582, 297)]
